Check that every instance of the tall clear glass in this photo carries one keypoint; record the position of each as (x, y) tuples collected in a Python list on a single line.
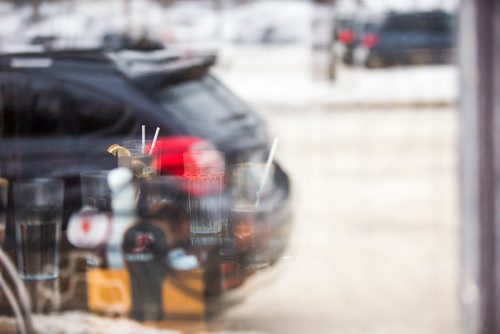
[(251, 210), (204, 173), (38, 214)]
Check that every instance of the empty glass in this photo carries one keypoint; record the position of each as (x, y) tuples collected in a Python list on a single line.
[(252, 210), (95, 190), (204, 173), (38, 213), (250, 183)]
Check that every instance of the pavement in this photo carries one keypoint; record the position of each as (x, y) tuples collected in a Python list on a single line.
[(375, 244)]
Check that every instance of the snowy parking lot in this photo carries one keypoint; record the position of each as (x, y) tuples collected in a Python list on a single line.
[(373, 160), (281, 79), (374, 248)]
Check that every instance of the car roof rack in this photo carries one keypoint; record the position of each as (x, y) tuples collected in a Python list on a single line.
[(42, 58), (132, 63), (83, 54), (153, 69)]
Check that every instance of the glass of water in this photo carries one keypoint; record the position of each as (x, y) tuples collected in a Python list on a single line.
[(38, 214), (204, 173)]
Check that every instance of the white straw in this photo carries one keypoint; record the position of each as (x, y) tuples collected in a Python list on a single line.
[(267, 169), (11, 299), (24, 300), (157, 132), (143, 138)]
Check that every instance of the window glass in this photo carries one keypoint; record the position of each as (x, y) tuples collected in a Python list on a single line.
[(346, 154), (422, 23), (32, 109), (98, 115), (187, 97)]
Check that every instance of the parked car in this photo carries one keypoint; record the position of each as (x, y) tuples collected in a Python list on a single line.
[(350, 33), (59, 111), (408, 38)]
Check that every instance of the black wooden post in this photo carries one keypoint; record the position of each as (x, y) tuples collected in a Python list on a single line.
[(479, 59)]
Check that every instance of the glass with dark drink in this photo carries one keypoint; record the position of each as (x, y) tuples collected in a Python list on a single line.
[(38, 215)]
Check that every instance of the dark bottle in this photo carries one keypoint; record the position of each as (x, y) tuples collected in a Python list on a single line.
[(144, 249)]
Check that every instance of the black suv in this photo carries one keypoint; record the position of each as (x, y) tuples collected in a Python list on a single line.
[(59, 111), (408, 38)]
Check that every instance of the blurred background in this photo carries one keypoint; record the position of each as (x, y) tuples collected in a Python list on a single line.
[(362, 95)]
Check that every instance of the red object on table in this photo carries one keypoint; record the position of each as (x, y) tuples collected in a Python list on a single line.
[(170, 152)]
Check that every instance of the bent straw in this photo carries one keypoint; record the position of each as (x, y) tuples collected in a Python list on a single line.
[(157, 132), (11, 299), (143, 139), (24, 300), (267, 169)]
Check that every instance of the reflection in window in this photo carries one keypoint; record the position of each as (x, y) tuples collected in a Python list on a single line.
[(31, 109)]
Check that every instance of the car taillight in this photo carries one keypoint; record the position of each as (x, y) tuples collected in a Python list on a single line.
[(170, 152), (370, 40), (346, 36)]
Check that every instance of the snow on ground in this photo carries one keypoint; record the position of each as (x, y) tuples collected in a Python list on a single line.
[(283, 77), (83, 23), (83, 323), (184, 22), (257, 22), (375, 241)]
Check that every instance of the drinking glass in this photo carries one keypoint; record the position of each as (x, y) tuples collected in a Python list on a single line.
[(250, 182), (204, 173), (38, 215), (251, 210), (140, 161), (95, 190)]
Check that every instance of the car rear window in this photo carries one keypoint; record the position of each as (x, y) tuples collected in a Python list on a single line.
[(202, 99), (31, 108)]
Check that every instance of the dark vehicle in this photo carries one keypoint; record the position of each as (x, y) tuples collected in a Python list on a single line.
[(345, 36), (409, 38), (59, 111), (350, 35)]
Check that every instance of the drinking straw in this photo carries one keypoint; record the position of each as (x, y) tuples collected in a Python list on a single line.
[(267, 169), (143, 138), (154, 140), (11, 299), (24, 301), (20, 288)]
